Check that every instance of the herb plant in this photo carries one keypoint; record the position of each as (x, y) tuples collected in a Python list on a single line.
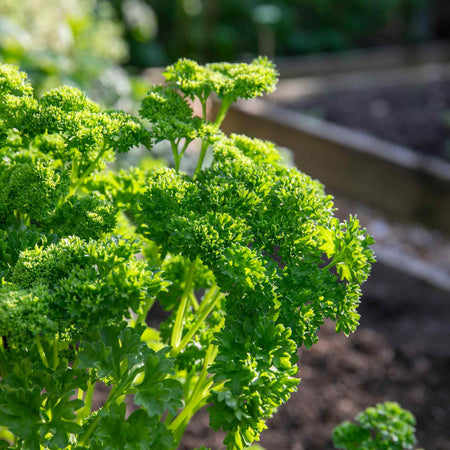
[(384, 427), (245, 254)]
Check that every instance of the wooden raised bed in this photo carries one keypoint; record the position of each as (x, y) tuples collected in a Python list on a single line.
[(363, 60), (403, 183)]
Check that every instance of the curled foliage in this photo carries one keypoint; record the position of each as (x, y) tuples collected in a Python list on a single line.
[(90, 134), (384, 427), (230, 80), (86, 217), (171, 117), (246, 255), (31, 185), (79, 284), (14, 82), (269, 236)]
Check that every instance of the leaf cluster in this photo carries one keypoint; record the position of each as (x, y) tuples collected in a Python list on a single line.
[(72, 285), (245, 254), (268, 235), (227, 80), (384, 426)]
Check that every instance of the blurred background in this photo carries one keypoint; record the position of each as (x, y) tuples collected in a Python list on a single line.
[(364, 105), (87, 42)]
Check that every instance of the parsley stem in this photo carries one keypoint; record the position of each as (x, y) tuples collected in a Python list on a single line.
[(41, 351), (199, 394), (336, 260), (211, 293), (176, 156), (194, 301), (201, 317), (88, 433), (183, 149), (74, 173), (86, 409), (88, 171), (204, 148), (2, 359), (187, 384), (119, 389), (55, 352), (225, 105), (203, 103), (144, 311), (178, 326)]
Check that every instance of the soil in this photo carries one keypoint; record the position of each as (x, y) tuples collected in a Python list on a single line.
[(415, 116), (400, 352)]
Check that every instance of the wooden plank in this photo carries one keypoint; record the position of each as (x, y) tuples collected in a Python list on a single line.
[(405, 184), (363, 60), (297, 88)]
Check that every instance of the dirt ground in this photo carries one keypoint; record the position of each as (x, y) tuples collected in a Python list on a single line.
[(400, 352), (415, 116)]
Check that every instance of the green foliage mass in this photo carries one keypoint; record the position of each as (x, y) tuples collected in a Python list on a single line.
[(385, 426), (265, 232), (245, 255), (225, 79)]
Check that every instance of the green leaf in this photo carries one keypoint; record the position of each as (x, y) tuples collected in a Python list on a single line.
[(157, 393), (118, 351), (20, 413), (137, 432)]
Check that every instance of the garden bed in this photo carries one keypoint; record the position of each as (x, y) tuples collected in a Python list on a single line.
[(412, 115), (400, 353), (402, 182), (363, 60)]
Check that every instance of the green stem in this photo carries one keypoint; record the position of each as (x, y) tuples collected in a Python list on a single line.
[(2, 359), (210, 294), (205, 145), (89, 432), (178, 326), (41, 352), (86, 409), (203, 103), (199, 393), (144, 311), (6, 435), (225, 105), (176, 156), (187, 384), (179, 424), (183, 149), (336, 260), (201, 317), (117, 391), (194, 301), (74, 173), (88, 171), (55, 352)]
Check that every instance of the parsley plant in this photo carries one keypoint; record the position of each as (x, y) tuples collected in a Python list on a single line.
[(245, 254), (385, 426)]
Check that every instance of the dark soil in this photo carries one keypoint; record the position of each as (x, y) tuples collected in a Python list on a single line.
[(415, 116), (401, 352)]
